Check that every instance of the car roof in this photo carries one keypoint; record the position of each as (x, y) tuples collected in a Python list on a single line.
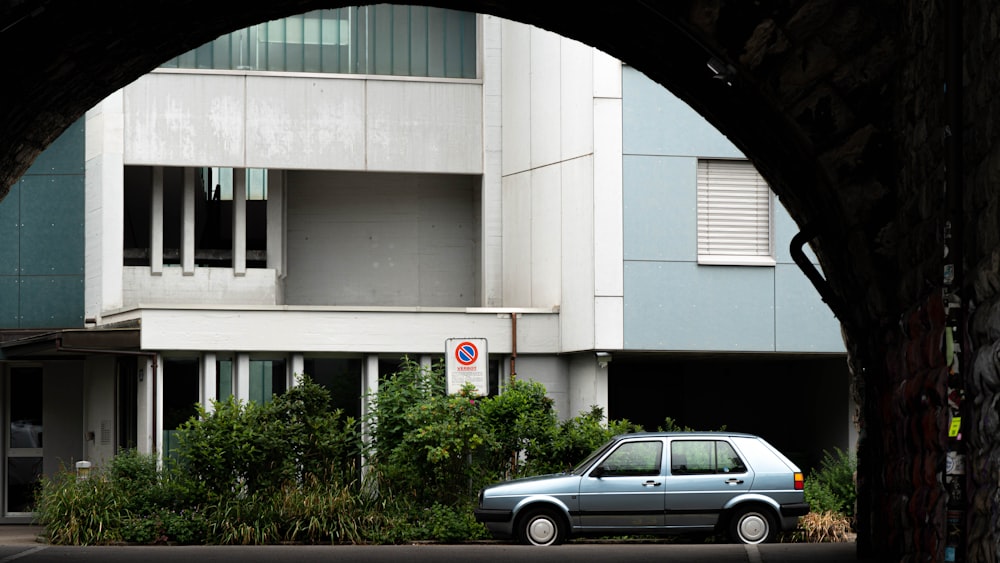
[(686, 434)]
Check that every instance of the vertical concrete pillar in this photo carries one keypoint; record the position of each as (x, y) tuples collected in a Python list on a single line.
[(209, 374), (588, 382), (239, 221), (156, 224), (187, 224), (145, 424), (369, 387), (241, 378), (276, 222), (298, 364)]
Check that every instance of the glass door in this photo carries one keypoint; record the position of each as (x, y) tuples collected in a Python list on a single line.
[(23, 439)]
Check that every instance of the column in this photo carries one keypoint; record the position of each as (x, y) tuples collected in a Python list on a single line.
[(156, 224), (187, 224), (209, 375), (239, 221)]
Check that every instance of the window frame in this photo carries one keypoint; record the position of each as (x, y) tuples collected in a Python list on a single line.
[(721, 205)]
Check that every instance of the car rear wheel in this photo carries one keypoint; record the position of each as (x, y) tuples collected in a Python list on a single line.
[(752, 524), (541, 526)]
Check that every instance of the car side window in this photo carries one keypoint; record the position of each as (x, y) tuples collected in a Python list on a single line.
[(703, 457), (634, 459)]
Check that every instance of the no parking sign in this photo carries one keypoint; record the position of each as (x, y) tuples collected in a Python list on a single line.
[(466, 361)]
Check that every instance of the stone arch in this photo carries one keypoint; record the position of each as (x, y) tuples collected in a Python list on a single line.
[(839, 104)]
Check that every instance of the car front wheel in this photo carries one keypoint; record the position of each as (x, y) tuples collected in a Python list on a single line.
[(541, 526), (752, 524)]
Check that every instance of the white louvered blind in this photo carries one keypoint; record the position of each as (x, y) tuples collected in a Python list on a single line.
[(734, 214)]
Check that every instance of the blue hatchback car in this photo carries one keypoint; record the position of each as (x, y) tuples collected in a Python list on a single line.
[(657, 483)]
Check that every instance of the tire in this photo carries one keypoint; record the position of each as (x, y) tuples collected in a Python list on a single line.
[(752, 525), (541, 526)]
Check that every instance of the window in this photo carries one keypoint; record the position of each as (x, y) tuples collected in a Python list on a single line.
[(214, 214), (267, 379), (634, 459), (342, 377), (734, 214), (379, 39), (704, 457)]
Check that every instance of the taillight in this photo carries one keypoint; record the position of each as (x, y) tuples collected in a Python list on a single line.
[(799, 482)]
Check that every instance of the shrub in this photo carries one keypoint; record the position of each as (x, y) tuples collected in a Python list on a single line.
[(519, 423), (573, 440), (437, 458), (250, 448), (831, 488), (446, 523)]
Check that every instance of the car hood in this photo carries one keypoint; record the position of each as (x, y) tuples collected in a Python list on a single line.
[(543, 484)]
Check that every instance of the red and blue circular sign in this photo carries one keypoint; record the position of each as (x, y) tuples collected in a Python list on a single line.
[(466, 353)]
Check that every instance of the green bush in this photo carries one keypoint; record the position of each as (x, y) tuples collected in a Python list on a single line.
[(573, 440), (831, 487), (288, 471), (445, 523), (520, 424), (250, 448)]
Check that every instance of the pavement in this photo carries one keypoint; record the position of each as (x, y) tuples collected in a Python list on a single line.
[(17, 541), (20, 534)]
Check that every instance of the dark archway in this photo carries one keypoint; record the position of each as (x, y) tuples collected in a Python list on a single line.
[(855, 112)]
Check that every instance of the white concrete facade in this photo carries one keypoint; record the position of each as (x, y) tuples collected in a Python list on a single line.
[(401, 212)]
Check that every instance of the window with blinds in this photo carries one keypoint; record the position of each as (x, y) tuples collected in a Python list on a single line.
[(734, 214)]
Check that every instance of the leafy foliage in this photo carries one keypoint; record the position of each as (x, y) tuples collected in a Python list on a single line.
[(289, 471), (252, 448), (831, 487)]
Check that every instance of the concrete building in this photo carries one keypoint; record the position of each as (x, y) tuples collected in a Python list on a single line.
[(328, 193)]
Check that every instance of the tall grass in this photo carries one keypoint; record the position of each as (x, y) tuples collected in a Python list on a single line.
[(77, 511)]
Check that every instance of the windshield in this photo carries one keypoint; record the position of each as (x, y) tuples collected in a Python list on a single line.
[(583, 465)]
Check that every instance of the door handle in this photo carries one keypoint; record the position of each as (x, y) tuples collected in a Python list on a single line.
[(651, 483), (734, 481)]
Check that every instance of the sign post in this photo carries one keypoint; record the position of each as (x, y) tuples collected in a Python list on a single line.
[(467, 361)]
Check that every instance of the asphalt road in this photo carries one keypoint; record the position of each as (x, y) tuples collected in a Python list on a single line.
[(427, 553)]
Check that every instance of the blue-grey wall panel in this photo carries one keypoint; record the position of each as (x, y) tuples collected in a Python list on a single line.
[(10, 218), (660, 208), (784, 229), (804, 323), (51, 301), (9, 299), (654, 121), (683, 306), (65, 155), (52, 209)]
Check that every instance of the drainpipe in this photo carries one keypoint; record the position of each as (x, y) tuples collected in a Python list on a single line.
[(513, 345), (149, 355), (815, 277)]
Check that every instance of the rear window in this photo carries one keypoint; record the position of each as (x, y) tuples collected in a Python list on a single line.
[(763, 457), (704, 457)]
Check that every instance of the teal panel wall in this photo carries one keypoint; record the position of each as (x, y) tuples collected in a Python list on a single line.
[(660, 207), (10, 218), (9, 298), (679, 306), (42, 239), (52, 225), (671, 303), (655, 121)]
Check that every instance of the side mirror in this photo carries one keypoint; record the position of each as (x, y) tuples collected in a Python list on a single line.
[(598, 472)]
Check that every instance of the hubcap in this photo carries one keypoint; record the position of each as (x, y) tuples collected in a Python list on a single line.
[(541, 531), (753, 528)]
